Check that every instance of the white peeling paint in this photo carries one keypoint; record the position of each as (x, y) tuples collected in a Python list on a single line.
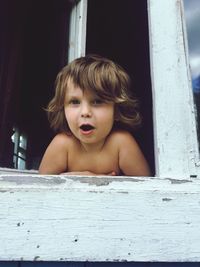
[(176, 147), (57, 218)]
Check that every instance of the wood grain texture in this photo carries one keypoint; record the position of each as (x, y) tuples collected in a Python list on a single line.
[(115, 219), (176, 146)]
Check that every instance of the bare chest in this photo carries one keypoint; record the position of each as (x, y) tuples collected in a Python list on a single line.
[(99, 163)]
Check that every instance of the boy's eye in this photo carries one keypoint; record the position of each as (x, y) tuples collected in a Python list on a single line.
[(98, 101), (74, 102)]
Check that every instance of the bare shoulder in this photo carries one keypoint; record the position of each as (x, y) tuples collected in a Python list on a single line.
[(55, 157), (131, 159), (123, 137), (62, 139)]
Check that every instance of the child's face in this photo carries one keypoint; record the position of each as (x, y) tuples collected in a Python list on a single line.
[(89, 118)]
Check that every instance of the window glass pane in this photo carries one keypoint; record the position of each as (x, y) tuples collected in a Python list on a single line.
[(192, 15)]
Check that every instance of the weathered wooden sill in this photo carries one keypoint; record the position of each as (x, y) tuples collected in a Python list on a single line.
[(74, 218)]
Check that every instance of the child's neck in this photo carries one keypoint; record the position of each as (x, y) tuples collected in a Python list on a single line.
[(93, 148)]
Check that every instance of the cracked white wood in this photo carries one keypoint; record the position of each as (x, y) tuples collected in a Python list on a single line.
[(56, 218), (176, 147), (77, 32)]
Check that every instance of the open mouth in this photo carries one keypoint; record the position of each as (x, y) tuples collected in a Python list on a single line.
[(86, 127)]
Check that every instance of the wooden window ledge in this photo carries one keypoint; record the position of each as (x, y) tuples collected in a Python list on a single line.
[(77, 218)]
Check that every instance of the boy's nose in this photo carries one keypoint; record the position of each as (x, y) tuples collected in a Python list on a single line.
[(86, 111)]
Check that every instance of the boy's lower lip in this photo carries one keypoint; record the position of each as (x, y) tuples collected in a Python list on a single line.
[(87, 132)]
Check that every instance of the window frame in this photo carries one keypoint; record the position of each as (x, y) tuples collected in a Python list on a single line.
[(99, 219), (175, 131), (77, 32)]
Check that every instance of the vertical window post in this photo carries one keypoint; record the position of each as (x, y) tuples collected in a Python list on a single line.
[(77, 34), (176, 147)]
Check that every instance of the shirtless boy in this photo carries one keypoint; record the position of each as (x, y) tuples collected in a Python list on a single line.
[(92, 112)]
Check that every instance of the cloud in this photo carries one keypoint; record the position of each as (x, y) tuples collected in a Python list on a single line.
[(193, 30), (191, 6), (195, 65), (192, 15)]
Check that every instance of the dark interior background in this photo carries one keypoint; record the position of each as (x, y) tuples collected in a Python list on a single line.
[(33, 48), (119, 30)]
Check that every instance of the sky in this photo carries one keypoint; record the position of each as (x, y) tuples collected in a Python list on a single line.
[(192, 15)]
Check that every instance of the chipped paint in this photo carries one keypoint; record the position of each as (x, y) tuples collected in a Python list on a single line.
[(166, 199), (77, 213), (176, 140), (179, 181), (36, 258), (102, 181), (29, 179)]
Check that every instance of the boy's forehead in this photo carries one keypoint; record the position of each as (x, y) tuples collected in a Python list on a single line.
[(75, 90)]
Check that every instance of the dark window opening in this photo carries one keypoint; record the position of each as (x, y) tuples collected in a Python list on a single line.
[(33, 48), (119, 30)]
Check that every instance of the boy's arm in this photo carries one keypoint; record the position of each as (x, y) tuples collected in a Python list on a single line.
[(131, 159), (88, 173), (54, 160)]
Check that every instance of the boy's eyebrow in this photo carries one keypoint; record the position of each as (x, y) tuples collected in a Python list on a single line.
[(72, 94)]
